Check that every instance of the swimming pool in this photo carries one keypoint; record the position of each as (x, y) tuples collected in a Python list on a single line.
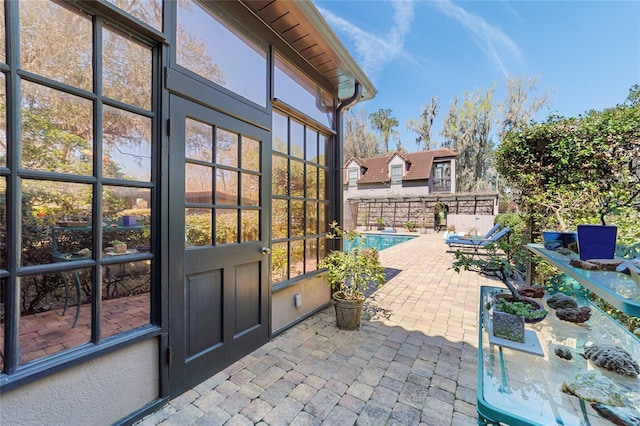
[(378, 241)]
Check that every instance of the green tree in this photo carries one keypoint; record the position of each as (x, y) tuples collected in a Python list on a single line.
[(467, 131), (633, 100), (384, 123), (358, 141), (576, 170), (423, 127)]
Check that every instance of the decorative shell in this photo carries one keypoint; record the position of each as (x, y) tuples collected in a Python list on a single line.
[(613, 358), (594, 387)]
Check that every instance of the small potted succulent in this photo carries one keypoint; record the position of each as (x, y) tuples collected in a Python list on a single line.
[(119, 246)]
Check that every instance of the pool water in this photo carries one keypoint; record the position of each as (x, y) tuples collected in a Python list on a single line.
[(377, 241)]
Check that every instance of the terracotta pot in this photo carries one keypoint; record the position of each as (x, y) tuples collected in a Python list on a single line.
[(348, 312)]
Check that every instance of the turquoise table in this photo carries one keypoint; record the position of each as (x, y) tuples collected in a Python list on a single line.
[(521, 388), (616, 288)]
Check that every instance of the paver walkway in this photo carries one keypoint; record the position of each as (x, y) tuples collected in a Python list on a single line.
[(412, 363)]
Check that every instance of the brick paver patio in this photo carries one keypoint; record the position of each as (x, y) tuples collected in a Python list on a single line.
[(413, 362)]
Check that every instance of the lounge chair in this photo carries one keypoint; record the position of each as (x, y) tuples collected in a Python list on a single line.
[(485, 236), (477, 243)]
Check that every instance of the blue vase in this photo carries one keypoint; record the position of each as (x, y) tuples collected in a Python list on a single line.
[(597, 241)]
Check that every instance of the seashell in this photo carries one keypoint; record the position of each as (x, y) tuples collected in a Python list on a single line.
[(618, 416), (594, 387)]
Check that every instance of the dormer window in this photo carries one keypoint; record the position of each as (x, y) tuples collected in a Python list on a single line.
[(396, 174)]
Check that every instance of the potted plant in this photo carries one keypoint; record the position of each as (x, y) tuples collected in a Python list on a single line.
[(410, 226), (119, 246), (350, 274), (379, 223)]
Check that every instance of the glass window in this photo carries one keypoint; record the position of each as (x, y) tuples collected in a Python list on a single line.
[(148, 11), (126, 150), (126, 73), (66, 127), (60, 35), (353, 177), (206, 46), (442, 176), (396, 174), (294, 88), (300, 208), (3, 121), (57, 131)]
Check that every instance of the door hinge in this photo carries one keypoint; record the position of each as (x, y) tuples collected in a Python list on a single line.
[(169, 356), (168, 127)]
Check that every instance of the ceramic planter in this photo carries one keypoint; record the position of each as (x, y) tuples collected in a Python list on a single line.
[(597, 241), (564, 237), (348, 313)]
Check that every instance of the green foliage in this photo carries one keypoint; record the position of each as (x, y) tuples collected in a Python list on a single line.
[(352, 272), (384, 123), (410, 225), (575, 169), (520, 309)]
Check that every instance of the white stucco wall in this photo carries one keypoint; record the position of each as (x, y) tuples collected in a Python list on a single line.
[(98, 392)]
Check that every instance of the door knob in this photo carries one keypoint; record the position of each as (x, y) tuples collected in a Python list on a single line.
[(266, 250)]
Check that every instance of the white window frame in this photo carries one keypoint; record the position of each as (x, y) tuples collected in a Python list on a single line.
[(395, 178)]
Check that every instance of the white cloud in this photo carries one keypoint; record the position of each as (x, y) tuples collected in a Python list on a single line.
[(377, 50), (492, 40)]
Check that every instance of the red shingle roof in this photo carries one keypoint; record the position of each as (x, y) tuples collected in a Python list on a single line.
[(419, 165)]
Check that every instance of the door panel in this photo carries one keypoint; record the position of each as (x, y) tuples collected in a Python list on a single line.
[(218, 291)]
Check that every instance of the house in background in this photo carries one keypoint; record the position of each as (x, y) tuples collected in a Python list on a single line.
[(400, 188), (401, 175)]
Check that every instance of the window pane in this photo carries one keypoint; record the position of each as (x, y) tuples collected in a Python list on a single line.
[(3, 224), (227, 148), (311, 255), (220, 54), (198, 229), (126, 301), (297, 218), (279, 219), (3, 303), (322, 184), (198, 141), (127, 145), (52, 318), (126, 74), (250, 154), (279, 261), (280, 133), (297, 178), (250, 225), (48, 207), (312, 145), (3, 118), (57, 131), (279, 176), (299, 91), (323, 219), (312, 181), (322, 149), (226, 226), (250, 190), (148, 11), (297, 139), (312, 218), (198, 184), (56, 43), (227, 187), (2, 59), (127, 218), (296, 263)]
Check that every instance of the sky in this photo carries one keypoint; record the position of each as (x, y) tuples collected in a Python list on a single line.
[(586, 54)]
